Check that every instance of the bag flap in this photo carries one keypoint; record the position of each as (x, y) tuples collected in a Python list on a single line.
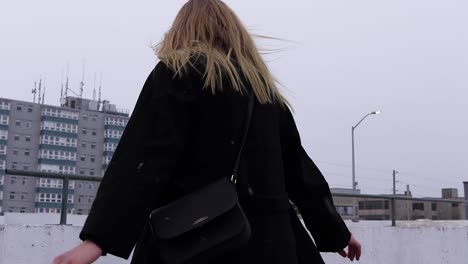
[(193, 210), (226, 232)]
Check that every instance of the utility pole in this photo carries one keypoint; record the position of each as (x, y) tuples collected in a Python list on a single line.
[(394, 181), (393, 200)]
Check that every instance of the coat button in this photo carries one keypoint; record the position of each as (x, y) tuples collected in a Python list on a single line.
[(250, 191), (139, 166)]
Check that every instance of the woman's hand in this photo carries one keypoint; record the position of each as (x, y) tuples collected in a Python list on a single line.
[(354, 249), (85, 253)]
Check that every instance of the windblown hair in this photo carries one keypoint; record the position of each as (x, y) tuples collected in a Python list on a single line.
[(209, 29)]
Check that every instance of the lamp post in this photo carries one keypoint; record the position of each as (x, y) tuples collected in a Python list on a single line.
[(355, 219)]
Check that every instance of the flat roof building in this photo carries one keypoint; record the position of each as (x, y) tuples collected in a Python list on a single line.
[(77, 137)]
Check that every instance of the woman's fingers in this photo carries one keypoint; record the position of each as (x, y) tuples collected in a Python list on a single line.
[(351, 252), (358, 251), (343, 253)]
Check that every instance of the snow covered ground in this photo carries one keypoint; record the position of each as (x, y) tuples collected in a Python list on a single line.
[(34, 238)]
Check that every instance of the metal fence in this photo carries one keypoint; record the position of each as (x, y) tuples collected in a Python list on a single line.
[(68, 177)]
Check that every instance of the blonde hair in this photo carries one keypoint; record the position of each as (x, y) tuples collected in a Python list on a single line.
[(210, 29)]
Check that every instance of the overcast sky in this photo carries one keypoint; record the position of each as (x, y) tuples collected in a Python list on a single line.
[(342, 59)]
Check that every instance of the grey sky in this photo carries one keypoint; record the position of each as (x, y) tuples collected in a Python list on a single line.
[(343, 59)]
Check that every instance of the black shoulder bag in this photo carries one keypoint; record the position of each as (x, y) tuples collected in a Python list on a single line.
[(204, 224)]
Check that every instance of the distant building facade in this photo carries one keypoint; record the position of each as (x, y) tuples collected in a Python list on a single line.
[(380, 209), (78, 137), (345, 205)]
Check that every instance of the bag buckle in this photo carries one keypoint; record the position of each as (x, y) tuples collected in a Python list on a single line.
[(233, 178)]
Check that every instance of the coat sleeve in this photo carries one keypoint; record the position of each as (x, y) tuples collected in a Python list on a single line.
[(134, 181), (309, 191)]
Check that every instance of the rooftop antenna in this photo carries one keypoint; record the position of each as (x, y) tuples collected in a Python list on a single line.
[(34, 91), (66, 83), (61, 90), (94, 88), (40, 86), (82, 84), (67, 87), (100, 87), (43, 92)]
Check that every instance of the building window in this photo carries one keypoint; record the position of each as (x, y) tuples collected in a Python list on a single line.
[(18, 122), (17, 137), (50, 183), (84, 131), (30, 108), (81, 172), (14, 165), (24, 181), (26, 152), (13, 180), (83, 158), (19, 107), (93, 132), (27, 138), (91, 186), (434, 206), (93, 158), (61, 141), (12, 195), (25, 167), (418, 206), (54, 154), (3, 133), (83, 145), (23, 210), (345, 210), (29, 123), (91, 172), (374, 205), (85, 116), (15, 151), (3, 149), (23, 196), (4, 120), (93, 146), (56, 126), (455, 205), (70, 198)]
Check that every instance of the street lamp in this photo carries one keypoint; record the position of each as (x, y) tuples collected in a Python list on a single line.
[(354, 165)]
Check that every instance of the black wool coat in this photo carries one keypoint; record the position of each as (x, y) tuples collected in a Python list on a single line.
[(181, 137)]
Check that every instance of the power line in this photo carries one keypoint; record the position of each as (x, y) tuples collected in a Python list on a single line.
[(385, 172), (349, 166)]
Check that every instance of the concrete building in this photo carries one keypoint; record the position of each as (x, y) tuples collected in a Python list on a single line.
[(78, 137), (345, 205), (379, 209)]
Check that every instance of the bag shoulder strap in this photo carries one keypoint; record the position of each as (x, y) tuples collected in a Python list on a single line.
[(246, 130)]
